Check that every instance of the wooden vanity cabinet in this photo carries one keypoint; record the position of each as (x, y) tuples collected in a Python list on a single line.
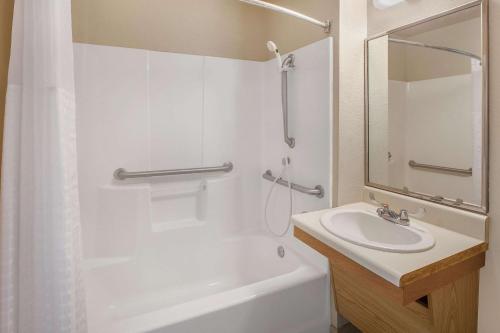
[(441, 297)]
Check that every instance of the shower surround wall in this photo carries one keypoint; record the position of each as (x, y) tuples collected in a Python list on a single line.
[(144, 110), (420, 130), (310, 123)]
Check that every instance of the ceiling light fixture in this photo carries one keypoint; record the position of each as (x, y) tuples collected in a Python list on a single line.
[(383, 4)]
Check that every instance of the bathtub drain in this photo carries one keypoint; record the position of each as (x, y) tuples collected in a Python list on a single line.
[(281, 251)]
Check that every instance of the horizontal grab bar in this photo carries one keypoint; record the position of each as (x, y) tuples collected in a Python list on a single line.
[(463, 172), (122, 174), (317, 190)]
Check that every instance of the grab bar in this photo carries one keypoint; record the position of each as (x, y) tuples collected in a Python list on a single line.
[(288, 63), (463, 172), (318, 190), (122, 174)]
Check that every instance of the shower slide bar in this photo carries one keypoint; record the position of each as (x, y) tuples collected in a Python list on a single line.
[(317, 191), (122, 174), (461, 172), (326, 25)]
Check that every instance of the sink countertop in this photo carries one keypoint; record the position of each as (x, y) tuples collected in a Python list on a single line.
[(388, 265)]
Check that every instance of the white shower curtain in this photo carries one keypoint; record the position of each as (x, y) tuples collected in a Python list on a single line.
[(41, 289)]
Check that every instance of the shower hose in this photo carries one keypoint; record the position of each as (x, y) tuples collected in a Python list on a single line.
[(284, 171)]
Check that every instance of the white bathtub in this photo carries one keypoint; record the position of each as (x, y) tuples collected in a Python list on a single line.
[(235, 285)]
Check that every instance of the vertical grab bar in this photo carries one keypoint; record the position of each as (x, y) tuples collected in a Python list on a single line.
[(288, 63)]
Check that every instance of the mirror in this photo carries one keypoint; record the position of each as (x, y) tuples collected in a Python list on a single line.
[(426, 109)]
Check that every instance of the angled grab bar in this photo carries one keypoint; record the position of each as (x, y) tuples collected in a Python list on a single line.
[(122, 174), (317, 191)]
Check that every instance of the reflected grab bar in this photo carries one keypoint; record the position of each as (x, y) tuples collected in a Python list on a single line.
[(317, 191), (462, 172), (122, 174)]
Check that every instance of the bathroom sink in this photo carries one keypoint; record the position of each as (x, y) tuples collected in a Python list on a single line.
[(369, 230)]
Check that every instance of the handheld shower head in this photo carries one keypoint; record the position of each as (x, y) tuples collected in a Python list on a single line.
[(271, 46)]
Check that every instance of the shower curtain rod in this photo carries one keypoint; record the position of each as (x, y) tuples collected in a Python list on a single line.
[(326, 25), (441, 48)]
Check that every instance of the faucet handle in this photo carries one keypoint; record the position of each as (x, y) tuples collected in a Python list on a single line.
[(383, 210), (403, 215)]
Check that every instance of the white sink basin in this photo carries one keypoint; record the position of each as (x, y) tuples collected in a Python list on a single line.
[(369, 230)]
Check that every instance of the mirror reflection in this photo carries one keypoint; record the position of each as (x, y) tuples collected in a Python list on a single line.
[(425, 110)]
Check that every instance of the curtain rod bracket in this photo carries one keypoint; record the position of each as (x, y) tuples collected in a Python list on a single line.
[(328, 27)]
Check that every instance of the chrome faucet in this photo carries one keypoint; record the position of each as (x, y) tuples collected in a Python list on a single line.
[(390, 215)]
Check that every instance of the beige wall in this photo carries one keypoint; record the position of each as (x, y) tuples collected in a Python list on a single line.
[(6, 7), (225, 28), (379, 21), (409, 63), (352, 32), (424, 64)]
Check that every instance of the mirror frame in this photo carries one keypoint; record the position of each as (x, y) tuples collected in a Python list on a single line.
[(483, 208)]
